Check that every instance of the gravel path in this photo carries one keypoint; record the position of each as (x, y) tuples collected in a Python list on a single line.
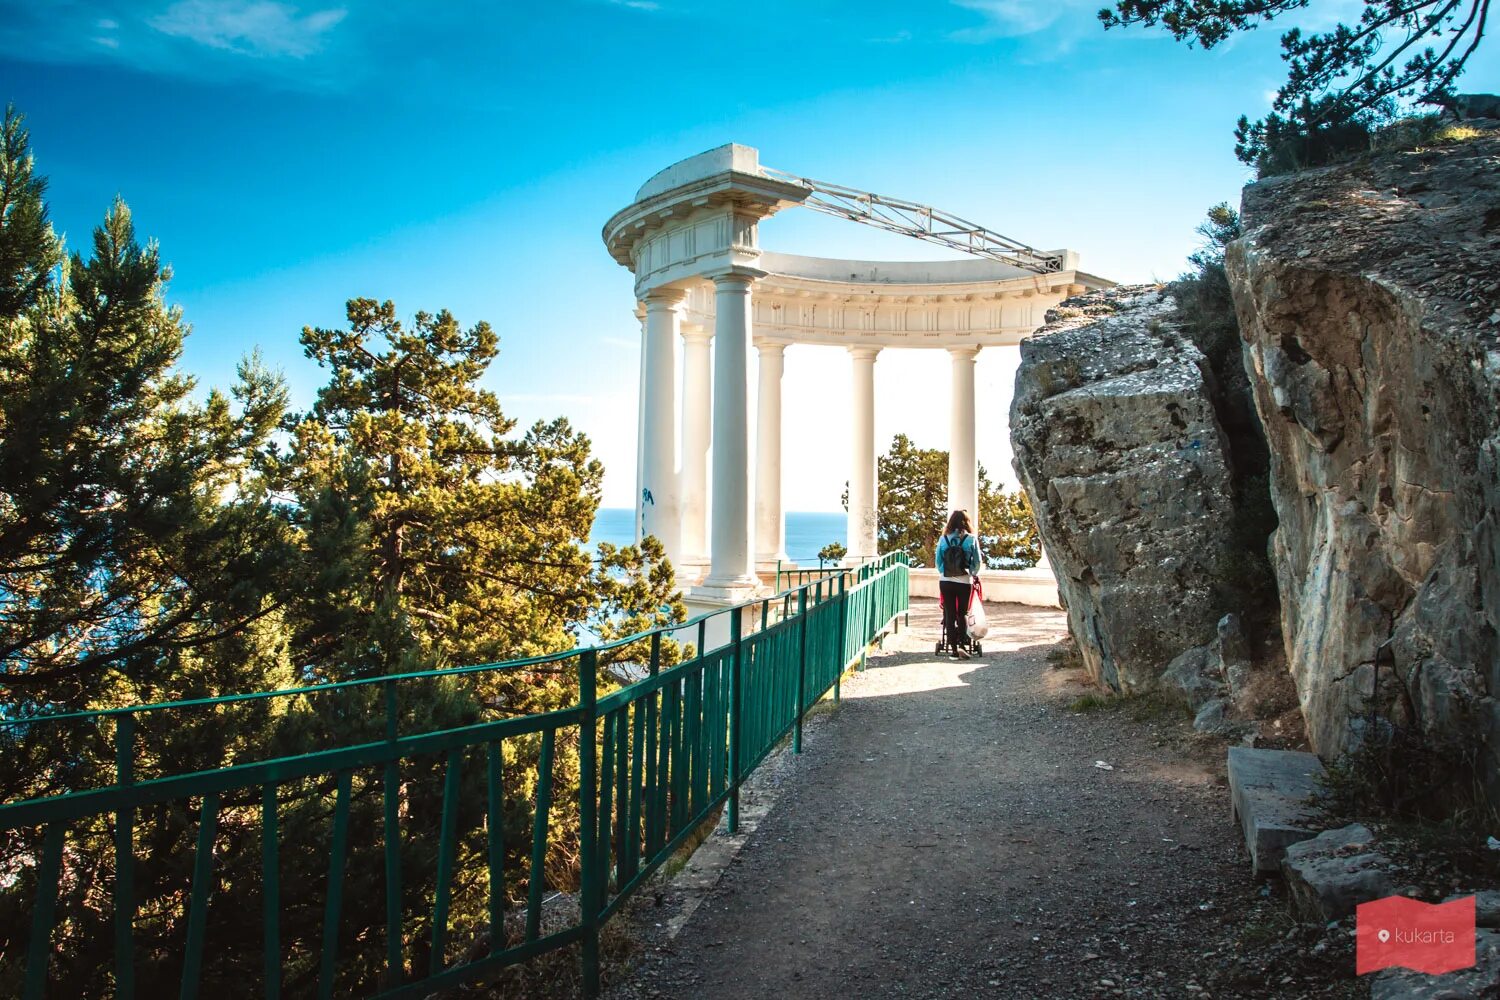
[(947, 833)]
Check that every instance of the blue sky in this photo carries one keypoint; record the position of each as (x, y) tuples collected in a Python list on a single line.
[(289, 155)]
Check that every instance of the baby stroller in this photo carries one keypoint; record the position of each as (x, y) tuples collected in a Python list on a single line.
[(978, 627)]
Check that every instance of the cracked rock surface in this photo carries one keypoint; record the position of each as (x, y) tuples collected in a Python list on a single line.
[(1368, 297), (1118, 444)]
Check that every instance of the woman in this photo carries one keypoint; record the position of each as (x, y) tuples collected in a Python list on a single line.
[(958, 563)]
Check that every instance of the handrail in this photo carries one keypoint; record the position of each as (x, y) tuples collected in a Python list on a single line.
[(655, 760)]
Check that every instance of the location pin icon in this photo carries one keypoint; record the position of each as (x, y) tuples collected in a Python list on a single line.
[(1384, 935)]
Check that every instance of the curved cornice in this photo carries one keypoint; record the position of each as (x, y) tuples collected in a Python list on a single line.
[(727, 177)]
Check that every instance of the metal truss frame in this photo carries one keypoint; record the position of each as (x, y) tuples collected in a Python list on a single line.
[(922, 222)]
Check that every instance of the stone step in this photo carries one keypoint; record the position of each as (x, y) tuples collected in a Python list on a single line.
[(1269, 793)]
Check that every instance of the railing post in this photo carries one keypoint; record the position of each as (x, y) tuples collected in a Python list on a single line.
[(124, 898), (736, 700), (801, 667), (843, 636), (395, 966), (588, 792)]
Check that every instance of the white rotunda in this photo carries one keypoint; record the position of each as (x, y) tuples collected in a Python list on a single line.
[(691, 238)]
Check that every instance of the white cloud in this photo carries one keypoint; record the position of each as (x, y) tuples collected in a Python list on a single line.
[(1011, 18), (637, 4), (262, 28), (107, 42)]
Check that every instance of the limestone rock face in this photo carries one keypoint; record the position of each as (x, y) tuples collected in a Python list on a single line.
[(1368, 298), (1117, 443)]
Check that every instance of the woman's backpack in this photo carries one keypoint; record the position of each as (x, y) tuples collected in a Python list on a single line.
[(955, 559)]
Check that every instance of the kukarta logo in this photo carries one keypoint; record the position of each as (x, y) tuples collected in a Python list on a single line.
[(1426, 937)]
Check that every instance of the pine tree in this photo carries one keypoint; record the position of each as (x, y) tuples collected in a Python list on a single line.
[(131, 530), (1342, 83), (437, 538), (159, 544), (434, 537), (29, 249), (913, 499), (140, 557), (1007, 529), (913, 508)]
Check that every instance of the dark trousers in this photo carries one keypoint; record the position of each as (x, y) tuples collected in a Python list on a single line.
[(955, 599)]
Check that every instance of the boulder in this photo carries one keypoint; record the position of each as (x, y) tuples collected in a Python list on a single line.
[(1331, 874), (1194, 676), (1479, 982), (1233, 654), (1368, 297), (1119, 448), (1210, 718)]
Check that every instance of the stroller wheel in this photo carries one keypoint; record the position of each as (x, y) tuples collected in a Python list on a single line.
[(939, 648), (978, 649)]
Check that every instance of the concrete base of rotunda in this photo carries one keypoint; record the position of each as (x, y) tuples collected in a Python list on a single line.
[(716, 631), (725, 593)]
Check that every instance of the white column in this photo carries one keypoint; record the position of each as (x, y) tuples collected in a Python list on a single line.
[(697, 424), (770, 522), (640, 423), (862, 476), (660, 515), (731, 574), (963, 468)]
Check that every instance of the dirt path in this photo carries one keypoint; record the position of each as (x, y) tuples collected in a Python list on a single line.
[(947, 833)]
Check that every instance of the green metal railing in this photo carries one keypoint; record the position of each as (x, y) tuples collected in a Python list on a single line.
[(655, 759), (788, 578)]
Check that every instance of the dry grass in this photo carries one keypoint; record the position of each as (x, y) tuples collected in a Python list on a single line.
[(1093, 702), (1147, 706), (1455, 133), (1423, 132)]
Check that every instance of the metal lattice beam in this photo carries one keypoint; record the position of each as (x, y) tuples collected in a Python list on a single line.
[(922, 222)]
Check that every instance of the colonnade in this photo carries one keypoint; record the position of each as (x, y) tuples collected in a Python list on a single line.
[(731, 537)]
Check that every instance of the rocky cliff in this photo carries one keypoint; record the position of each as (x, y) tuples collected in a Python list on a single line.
[(1369, 301), (1118, 443)]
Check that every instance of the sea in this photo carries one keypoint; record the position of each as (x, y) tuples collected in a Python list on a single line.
[(806, 531)]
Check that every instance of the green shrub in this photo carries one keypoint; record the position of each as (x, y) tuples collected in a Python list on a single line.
[(1313, 134)]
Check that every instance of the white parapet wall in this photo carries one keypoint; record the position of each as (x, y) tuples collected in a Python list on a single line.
[(1036, 586)]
